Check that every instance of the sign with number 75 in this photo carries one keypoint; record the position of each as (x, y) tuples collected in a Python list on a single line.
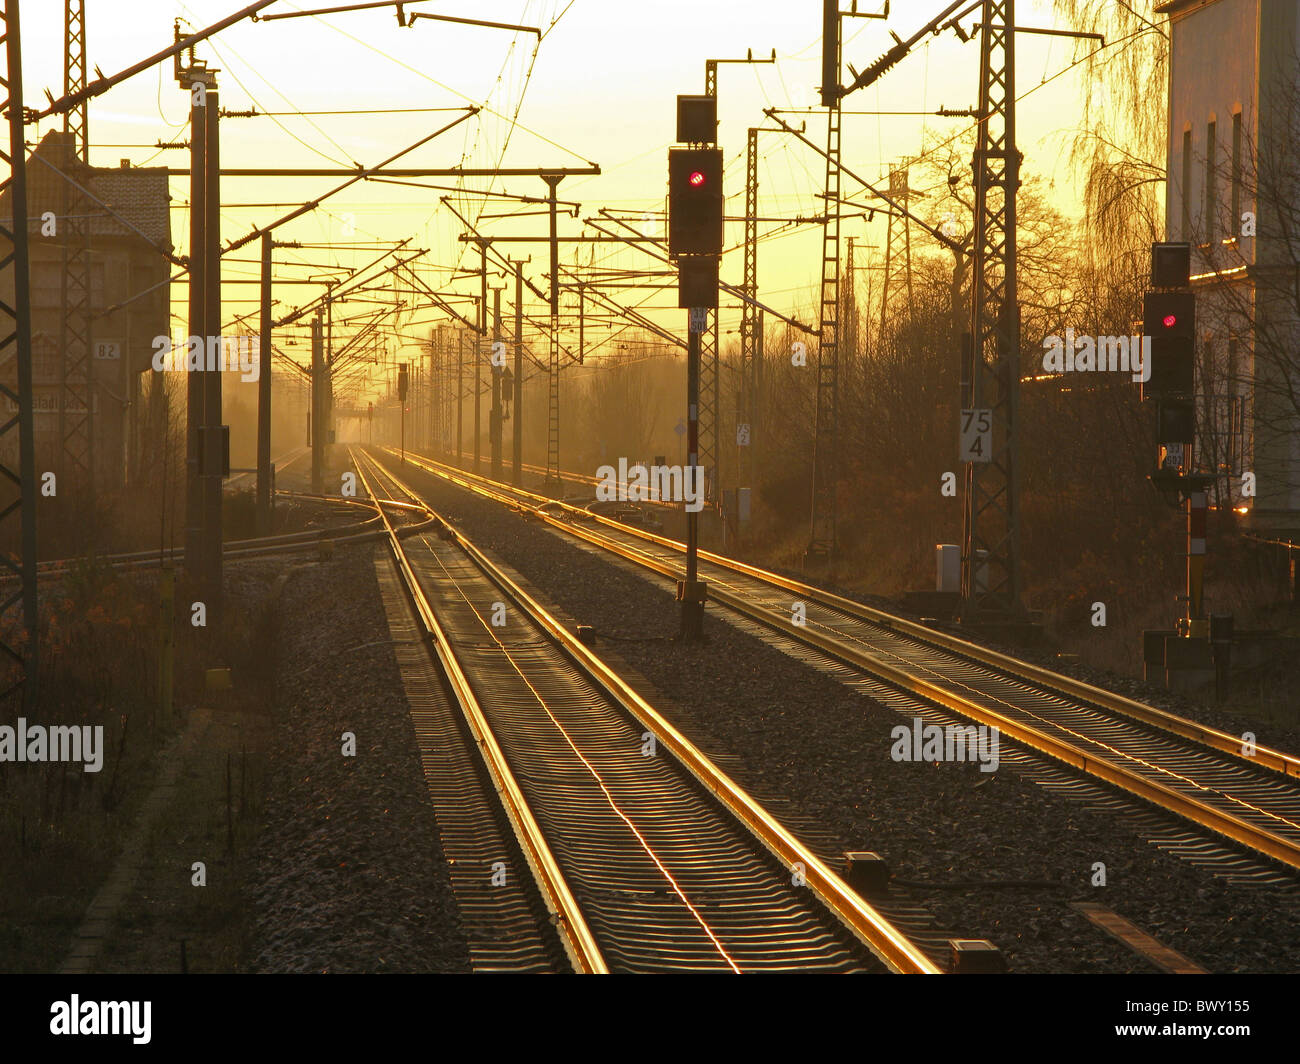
[(977, 435)]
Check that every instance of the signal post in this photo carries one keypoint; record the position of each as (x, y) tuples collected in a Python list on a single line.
[(1198, 647), (695, 225)]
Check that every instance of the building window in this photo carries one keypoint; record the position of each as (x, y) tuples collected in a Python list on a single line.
[(1187, 185), (1236, 170), (1211, 191)]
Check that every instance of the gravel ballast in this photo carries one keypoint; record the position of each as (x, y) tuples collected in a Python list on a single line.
[(349, 875)]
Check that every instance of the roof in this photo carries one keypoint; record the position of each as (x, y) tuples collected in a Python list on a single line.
[(134, 199), (1176, 7)]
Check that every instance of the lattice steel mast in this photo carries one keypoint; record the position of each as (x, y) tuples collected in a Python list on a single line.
[(821, 543), (710, 453), (991, 375), (17, 463), (898, 253), (76, 458), (747, 407)]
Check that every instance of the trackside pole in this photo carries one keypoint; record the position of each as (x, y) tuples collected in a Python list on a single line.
[(691, 592)]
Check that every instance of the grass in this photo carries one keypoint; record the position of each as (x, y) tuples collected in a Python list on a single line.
[(62, 828), (213, 921)]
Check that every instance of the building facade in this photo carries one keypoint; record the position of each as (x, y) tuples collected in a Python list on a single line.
[(1233, 160), (126, 210)]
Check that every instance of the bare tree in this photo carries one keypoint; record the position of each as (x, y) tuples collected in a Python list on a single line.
[(1119, 146)]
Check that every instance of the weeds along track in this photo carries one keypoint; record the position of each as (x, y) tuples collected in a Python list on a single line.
[(645, 856)]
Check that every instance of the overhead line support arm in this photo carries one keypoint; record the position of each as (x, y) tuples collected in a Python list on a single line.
[(311, 205), (102, 85), (937, 234), (730, 289)]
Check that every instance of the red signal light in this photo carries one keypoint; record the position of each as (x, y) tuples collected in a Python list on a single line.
[(1169, 321), (695, 180)]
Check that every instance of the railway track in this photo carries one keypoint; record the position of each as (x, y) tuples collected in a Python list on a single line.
[(253, 547), (1188, 769), (645, 855), (369, 528), (246, 477)]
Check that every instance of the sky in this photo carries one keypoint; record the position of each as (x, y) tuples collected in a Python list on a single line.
[(599, 89)]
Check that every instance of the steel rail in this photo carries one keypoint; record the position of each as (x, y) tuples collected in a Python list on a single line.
[(867, 924), (1254, 837), (356, 532), (1257, 838), (578, 941), (587, 478), (1265, 757)]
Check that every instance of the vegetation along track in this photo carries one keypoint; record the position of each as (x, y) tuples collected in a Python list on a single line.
[(647, 856), (1193, 771)]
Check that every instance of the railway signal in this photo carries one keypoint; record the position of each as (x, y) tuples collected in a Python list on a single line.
[(695, 201), (403, 383), (1169, 320), (697, 282)]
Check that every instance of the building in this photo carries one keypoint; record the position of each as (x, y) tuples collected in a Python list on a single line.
[(127, 213), (1233, 165)]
